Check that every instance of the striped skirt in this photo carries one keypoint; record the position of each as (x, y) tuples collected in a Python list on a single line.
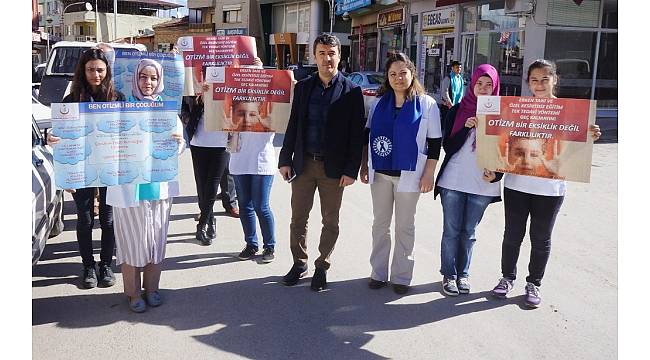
[(141, 232)]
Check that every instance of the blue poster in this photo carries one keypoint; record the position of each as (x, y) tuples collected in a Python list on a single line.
[(172, 73), (114, 143)]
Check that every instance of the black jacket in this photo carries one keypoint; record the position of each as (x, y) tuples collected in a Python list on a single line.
[(452, 145), (344, 125), (118, 97), (191, 113)]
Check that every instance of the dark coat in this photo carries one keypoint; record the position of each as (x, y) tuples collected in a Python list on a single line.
[(118, 97), (452, 145), (343, 140)]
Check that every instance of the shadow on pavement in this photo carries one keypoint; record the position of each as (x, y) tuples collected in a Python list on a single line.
[(262, 319)]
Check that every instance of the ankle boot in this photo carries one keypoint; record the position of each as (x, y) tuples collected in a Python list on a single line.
[(201, 235), (211, 231)]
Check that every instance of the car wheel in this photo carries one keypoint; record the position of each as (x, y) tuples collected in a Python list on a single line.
[(58, 226)]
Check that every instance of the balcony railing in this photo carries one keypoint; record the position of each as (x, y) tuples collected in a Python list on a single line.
[(202, 27), (84, 38)]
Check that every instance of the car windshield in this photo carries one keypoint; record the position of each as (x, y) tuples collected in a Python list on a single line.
[(375, 79), (65, 59)]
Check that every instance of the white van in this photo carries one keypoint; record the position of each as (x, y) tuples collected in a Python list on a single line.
[(61, 65)]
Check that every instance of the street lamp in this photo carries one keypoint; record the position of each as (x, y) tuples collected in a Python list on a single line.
[(88, 8)]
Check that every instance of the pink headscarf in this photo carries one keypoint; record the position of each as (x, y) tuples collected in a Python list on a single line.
[(467, 107), (159, 88)]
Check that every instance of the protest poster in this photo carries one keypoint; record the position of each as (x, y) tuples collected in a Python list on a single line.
[(127, 61), (248, 99), (542, 137), (200, 52), (114, 143)]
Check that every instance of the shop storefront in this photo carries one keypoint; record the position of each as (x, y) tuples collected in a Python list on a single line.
[(392, 33), (438, 47), (580, 36)]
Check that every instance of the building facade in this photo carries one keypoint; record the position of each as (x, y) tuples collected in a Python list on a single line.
[(581, 36)]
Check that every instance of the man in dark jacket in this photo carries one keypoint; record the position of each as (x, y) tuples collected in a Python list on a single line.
[(322, 149)]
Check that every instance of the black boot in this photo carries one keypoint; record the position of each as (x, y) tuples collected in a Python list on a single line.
[(201, 234), (211, 231)]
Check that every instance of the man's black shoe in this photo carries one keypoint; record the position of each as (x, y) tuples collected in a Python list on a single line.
[(106, 276), (400, 289), (90, 277), (319, 280), (376, 284), (297, 271), (201, 234), (211, 231)]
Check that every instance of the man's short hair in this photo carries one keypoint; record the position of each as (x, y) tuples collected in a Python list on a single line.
[(455, 63), (327, 40)]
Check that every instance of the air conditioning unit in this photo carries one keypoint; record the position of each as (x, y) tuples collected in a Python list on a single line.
[(518, 6)]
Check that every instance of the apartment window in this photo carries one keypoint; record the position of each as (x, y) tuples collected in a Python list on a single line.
[(194, 16), (232, 16)]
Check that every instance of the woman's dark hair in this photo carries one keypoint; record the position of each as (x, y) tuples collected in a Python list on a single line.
[(80, 89), (541, 64), (414, 89)]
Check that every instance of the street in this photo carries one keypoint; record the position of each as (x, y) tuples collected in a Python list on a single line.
[(218, 307)]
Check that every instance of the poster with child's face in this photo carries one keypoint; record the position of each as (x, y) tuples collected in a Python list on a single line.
[(248, 99), (200, 52), (541, 137)]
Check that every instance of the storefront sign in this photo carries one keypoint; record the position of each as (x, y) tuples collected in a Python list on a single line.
[(350, 5), (439, 19), (433, 52), (390, 18), (232, 32)]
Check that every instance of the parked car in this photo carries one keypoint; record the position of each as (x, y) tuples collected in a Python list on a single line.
[(61, 65), (47, 201), (370, 82), (41, 114), (303, 71)]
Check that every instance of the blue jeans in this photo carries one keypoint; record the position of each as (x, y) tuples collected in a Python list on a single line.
[(462, 212), (253, 193)]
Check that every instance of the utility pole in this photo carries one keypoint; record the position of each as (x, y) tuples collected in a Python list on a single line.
[(114, 20)]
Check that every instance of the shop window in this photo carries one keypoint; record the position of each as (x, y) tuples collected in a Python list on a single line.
[(292, 18), (607, 73), (278, 19), (504, 50), (610, 14), (573, 53), (569, 13), (492, 16), (232, 16)]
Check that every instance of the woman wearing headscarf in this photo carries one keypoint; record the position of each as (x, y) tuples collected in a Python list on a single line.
[(142, 211), (465, 189)]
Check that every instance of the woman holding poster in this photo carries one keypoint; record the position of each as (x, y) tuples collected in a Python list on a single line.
[(142, 211), (252, 165), (465, 189), (93, 82), (399, 160), (524, 195)]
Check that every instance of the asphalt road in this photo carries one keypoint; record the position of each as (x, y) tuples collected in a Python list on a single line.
[(218, 307)]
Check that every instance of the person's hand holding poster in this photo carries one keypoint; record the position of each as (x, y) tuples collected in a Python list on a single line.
[(542, 137), (114, 143), (200, 52), (248, 99)]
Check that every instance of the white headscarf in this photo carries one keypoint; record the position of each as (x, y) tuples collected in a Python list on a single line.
[(159, 88)]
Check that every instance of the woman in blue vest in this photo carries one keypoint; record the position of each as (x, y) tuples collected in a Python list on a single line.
[(399, 160)]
